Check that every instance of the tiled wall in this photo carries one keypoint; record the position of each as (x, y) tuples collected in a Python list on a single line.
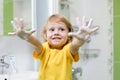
[(116, 39)]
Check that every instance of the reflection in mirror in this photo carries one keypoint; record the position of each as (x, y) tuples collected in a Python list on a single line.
[(64, 8), (23, 9), (14, 8)]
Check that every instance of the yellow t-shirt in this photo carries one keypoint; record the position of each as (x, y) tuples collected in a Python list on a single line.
[(55, 64)]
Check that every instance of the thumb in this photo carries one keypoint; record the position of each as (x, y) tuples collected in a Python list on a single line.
[(32, 31), (11, 33), (71, 34)]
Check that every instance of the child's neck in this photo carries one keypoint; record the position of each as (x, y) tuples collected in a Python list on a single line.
[(57, 46)]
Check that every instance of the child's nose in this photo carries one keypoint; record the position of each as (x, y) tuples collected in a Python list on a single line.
[(56, 32)]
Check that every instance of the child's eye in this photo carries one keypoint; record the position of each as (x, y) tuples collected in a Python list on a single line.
[(51, 29), (61, 29)]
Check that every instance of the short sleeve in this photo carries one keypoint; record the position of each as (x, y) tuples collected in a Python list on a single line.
[(75, 57), (41, 54)]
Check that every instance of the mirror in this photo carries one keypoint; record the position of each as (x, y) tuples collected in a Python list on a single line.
[(23, 9), (14, 8)]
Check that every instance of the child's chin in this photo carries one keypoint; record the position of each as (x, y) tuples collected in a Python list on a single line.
[(57, 45)]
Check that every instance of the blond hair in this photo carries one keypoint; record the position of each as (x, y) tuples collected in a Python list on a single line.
[(56, 18)]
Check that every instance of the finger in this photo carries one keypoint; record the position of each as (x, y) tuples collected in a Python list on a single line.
[(11, 33), (71, 34), (21, 23), (93, 30), (83, 21), (90, 22), (78, 22), (21, 20), (13, 25), (32, 31), (16, 21)]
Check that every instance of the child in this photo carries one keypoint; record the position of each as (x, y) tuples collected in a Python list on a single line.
[(61, 45)]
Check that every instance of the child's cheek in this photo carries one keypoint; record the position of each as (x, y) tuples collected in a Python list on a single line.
[(48, 35)]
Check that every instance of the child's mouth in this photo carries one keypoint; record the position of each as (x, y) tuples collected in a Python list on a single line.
[(56, 38)]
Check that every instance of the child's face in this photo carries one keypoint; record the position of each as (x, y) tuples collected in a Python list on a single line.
[(57, 34)]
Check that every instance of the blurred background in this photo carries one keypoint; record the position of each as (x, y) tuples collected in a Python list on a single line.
[(99, 56)]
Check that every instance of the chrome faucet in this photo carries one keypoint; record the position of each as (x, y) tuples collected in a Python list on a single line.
[(76, 71), (3, 64)]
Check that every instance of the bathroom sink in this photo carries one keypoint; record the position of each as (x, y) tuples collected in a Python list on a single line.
[(24, 76), (3, 77)]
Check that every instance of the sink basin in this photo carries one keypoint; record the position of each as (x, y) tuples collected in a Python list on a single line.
[(27, 75), (3, 77)]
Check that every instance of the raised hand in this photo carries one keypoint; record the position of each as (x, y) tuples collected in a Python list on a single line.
[(18, 27), (84, 31)]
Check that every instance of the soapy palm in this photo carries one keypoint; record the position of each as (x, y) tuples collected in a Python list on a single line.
[(84, 31), (18, 27)]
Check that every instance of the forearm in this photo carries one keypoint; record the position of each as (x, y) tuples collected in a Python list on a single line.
[(36, 43), (75, 45)]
